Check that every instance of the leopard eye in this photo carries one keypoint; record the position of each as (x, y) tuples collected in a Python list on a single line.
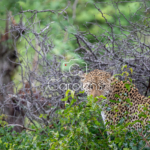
[(100, 87), (90, 86)]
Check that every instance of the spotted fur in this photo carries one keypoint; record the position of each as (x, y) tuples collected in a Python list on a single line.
[(123, 103)]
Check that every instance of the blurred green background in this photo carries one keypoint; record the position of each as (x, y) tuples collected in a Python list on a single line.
[(80, 15)]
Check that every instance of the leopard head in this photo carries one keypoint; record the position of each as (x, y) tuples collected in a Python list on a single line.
[(96, 83)]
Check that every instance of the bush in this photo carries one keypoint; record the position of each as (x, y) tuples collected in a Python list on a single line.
[(78, 126)]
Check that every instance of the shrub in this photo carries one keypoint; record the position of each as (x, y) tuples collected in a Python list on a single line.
[(78, 126)]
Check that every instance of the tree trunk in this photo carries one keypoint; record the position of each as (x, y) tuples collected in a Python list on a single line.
[(8, 55)]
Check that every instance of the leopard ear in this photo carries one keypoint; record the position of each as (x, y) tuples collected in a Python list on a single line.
[(109, 76), (111, 79)]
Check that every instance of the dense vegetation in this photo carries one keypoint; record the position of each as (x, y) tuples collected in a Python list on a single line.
[(46, 101), (76, 127)]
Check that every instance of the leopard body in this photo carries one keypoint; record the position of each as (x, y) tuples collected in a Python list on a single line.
[(121, 103)]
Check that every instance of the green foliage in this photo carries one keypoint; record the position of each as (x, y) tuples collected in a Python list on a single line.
[(2, 122), (127, 86), (82, 17), (80, 126), (85, 17), (126, 74)]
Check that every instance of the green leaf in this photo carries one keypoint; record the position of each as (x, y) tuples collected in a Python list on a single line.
[(86, 130), (114, 101), (127, 86), (128, 101), (72, 93), (65, 99), (127, 74), (131, 70), (81, 92), (67, 92), (118, 75), (130, 80), (41, 115), (125, 66), (120, 143), (72, 102), (142, 114), (116, 95), (101, 96)]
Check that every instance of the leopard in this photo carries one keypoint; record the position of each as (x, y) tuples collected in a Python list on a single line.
[(123, 101)]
